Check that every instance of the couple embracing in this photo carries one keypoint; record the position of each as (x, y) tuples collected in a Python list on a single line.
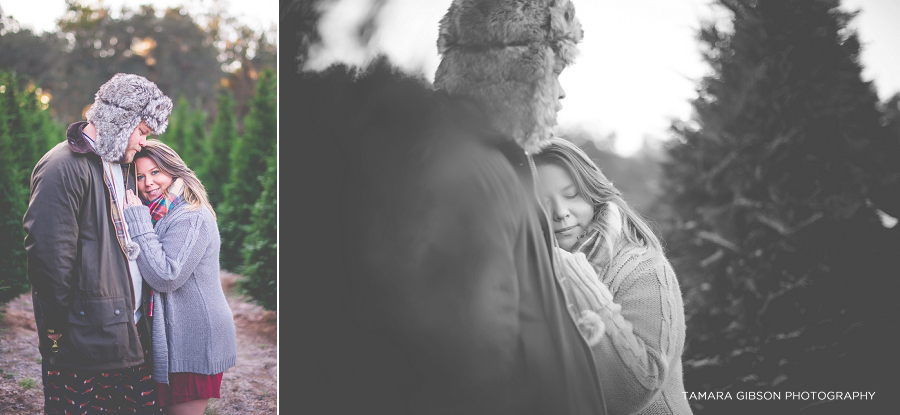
[(123, 258), (488, 267)]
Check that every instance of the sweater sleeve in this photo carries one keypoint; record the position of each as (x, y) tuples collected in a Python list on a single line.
[(633, 355), (167, 261)]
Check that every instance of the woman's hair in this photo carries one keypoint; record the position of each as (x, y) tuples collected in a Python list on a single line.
[(611, 214), (193, 192)]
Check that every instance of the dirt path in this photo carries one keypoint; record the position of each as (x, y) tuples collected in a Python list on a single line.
[(250, 387)]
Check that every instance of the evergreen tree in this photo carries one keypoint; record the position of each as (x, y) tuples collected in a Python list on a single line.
[(261, 247), (889, 198), (21, 148), (13, 195), (248, 159), (217, 165), (39, 129), (176, 132), (186, 135), (774, 187), (195, 144)]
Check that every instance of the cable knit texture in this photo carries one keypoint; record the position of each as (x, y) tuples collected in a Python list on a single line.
[(192, 325), (639, 358)]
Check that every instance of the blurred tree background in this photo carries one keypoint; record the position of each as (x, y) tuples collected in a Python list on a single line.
[(777, 203), (25, 134), (221, 74), (776, 209)]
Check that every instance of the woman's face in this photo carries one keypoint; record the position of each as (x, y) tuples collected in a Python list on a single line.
[(569, 210), (151, 181)]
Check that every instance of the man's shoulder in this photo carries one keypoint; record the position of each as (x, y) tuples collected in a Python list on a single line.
[(468, 159), (61, 156), (61, 161), (474, 176), (462, 132), (457, 139)]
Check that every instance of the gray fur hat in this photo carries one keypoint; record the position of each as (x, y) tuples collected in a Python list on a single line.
[(119, 106), (502, 53)]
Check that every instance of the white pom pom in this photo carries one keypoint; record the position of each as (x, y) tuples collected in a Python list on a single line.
[(132, 250), (592, 326)]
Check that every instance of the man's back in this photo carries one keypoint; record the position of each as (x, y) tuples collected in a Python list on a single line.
[(446, 295)]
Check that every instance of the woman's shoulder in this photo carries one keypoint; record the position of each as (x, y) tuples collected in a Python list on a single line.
[(634, 262), (640, 255), (181, 212)]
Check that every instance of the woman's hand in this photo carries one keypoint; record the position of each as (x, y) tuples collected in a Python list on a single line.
[(577, 266), (580, 281), (131, 199), (592, 326), (578, 263), (585, 293)]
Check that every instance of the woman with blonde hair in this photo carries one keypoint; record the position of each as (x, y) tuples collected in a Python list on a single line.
[(192, 330), (618, 284)]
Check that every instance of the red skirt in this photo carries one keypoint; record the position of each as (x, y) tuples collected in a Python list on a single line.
[(185, 387)]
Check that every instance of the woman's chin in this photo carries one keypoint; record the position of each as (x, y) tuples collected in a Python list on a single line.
[(567, 243)]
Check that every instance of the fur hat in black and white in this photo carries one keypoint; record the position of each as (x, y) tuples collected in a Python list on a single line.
[(502, 53), (119, 106)]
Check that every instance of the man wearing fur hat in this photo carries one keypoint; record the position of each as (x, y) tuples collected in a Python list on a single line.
[(449, 303), (89, 297), (505, 58)]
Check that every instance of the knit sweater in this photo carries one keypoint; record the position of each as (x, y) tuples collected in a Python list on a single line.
[(639, 357), (192, 325)]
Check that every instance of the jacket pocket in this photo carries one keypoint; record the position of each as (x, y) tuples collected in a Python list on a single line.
[(46, 317), (98, 327)]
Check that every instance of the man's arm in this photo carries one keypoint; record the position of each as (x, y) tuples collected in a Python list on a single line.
[(51, 240)]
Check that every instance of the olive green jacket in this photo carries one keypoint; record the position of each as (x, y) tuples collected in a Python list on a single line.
[(81, 284)]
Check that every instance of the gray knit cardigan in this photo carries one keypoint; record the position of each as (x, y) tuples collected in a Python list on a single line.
[(192, 325)]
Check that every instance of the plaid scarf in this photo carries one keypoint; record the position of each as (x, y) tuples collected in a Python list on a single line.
[(160, 206), (592, 244), (589, 243)]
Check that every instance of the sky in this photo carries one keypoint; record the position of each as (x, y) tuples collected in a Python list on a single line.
[(639, 63), (41, 15)]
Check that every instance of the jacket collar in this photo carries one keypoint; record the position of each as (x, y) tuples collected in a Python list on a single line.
[(76, 140)]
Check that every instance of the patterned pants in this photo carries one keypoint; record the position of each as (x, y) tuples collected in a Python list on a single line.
[(92, 392)]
